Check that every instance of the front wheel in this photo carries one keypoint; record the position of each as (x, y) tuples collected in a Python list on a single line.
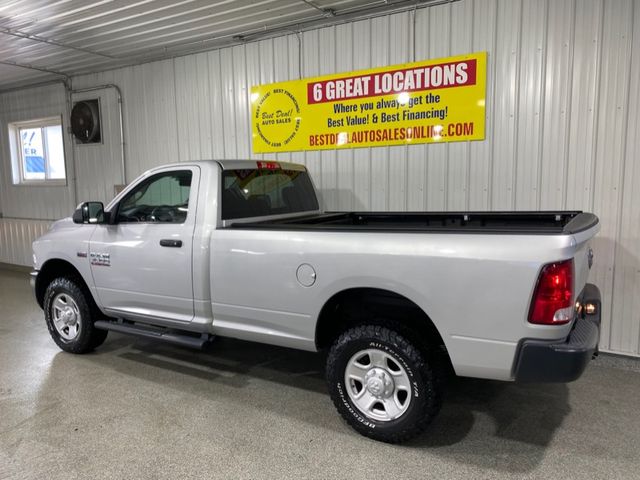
[(70, 312), (382, 384)]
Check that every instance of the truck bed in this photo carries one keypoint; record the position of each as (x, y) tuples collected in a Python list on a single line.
[(524, 223)]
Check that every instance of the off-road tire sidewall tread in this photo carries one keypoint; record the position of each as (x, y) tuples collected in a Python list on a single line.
[(89, 337), (426, 385)]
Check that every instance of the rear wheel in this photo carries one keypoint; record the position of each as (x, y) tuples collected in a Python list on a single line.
[(382, 384), (70, 312)]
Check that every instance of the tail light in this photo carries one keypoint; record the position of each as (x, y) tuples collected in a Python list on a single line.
[(553, 297), (268, 165)]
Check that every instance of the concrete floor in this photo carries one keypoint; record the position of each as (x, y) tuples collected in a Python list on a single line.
[(135, 409)]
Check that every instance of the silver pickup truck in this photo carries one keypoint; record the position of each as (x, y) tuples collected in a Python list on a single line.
[(242, 249)]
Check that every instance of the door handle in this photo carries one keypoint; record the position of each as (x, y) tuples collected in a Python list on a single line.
[(166, 242)]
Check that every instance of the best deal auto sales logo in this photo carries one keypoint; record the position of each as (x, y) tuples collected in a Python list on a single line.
[(277, 117)]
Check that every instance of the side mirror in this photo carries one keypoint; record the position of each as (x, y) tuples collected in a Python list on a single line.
[(89, 212)]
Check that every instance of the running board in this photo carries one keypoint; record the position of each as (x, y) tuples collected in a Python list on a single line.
[(157, 333)]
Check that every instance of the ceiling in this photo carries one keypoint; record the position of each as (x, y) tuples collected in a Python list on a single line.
[(42, 40)]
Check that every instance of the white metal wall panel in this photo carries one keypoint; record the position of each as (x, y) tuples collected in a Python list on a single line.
[(584, 91), (485, 16), (192, 94), (101, 160), (437, 45), (461, 34), (229, 104), (556, 104), (32, 202), (562, 121), (214, 103), (610, 142), (625, 329), (150, 114), (506, 63), (241, 93), (529, 105)]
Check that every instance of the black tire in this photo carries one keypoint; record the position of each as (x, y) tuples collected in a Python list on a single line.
[(88, 337), (423, 374)]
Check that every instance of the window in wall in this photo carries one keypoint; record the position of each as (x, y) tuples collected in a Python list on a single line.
[(37, 151)]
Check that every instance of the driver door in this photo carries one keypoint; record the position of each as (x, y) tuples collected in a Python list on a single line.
[(141, 265)]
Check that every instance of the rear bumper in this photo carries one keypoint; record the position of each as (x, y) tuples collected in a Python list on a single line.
[(564, 361)]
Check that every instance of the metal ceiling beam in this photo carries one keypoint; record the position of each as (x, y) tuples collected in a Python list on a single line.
[(180, 23), (360, 13), (205, 30), (174, 13), (27, 86), (39, 39), (327, 12), (39, 69)]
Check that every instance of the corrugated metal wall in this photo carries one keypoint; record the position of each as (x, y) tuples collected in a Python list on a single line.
[(31, 202), (98, 166), (16, 237), (563, 116), (26, 211)]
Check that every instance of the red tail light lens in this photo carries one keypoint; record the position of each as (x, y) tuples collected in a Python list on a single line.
[(553, 298)]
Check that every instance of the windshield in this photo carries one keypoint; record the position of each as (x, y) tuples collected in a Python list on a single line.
[(258, 193)]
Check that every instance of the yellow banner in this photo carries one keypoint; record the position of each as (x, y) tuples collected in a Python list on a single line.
[(439, 100)]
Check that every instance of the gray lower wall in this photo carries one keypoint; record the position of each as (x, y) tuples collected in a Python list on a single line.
[(16, 237)]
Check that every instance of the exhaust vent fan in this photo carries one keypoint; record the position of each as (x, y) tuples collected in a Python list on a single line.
[(85, 121)]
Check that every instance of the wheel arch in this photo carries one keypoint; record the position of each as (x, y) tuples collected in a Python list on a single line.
[(353, 306), (54, 268)]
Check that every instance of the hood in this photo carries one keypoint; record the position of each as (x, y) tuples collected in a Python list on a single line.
[(62, 223)]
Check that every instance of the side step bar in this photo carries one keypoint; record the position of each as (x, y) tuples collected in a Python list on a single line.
[(157, 333)]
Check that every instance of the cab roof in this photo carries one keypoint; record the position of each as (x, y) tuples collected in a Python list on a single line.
[(236, 165), (258, 164)]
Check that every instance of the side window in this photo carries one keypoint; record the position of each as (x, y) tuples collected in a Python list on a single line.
[(162, 198)]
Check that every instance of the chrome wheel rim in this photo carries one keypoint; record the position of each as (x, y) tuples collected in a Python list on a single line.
[(378, 385), (66, 316)]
